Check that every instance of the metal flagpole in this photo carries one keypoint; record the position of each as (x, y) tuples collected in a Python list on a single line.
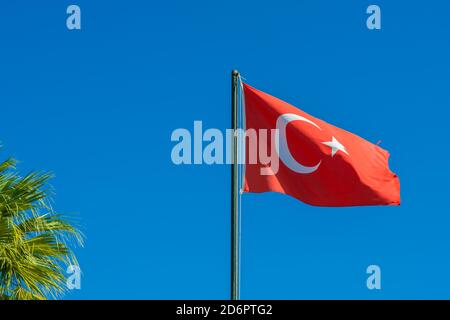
[(234, 190)]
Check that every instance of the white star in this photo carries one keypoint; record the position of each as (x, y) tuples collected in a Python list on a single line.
[(335, 146)]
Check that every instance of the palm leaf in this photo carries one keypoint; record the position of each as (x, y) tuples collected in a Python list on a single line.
[(34, 240)]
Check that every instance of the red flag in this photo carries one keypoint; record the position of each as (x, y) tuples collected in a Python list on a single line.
[(319, 163)]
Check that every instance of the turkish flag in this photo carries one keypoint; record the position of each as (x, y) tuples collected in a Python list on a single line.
[(318, 163)]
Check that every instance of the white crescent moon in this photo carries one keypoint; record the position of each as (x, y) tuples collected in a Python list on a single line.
[(281, 145)]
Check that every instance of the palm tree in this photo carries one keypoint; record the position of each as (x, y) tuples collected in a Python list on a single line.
[(34, 240)]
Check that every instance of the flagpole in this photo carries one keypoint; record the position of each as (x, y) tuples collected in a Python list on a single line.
[(234, 190)]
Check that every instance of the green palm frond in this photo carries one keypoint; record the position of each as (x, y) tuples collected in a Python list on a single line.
[(34, 240)]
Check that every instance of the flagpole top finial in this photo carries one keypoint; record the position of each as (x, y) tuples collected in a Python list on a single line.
[(235, 73)]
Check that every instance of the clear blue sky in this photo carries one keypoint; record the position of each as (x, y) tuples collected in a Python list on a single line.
[(97, 107)]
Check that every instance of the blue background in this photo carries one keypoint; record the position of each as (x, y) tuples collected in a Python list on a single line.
[(97, 107)]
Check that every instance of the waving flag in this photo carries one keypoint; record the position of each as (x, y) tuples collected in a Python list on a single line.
[(319, 164)]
